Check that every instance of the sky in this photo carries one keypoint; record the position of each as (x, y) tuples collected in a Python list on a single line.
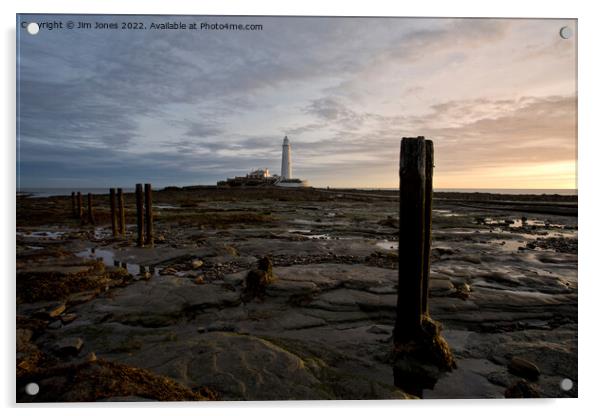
[(110, 107)]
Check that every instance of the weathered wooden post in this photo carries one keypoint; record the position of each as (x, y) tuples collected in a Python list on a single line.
[(428, 219), (113, 211), (90, 209), (73, 205), (418, 343), (140, 214), (411, 238), (148, 201), (121, 211), (80, 206)]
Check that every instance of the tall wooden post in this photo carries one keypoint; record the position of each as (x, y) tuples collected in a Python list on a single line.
[(121, 211), (148, 201), (428, 219), (113, 211), (90, 209), (73, 204), (80, 206), (140, 214), (411, 238)]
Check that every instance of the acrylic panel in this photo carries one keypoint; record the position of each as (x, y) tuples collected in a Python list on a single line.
[(295, 208)]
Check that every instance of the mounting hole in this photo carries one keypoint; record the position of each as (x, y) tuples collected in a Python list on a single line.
[(32, 389), (566, 32), (33, 28), (566, 384)]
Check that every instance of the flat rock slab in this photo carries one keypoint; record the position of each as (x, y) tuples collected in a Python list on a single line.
[(246, 367), (351, 300), (160, 301), (69, 346), (42, 310), (311, 247), (328, 276), (59, 270)]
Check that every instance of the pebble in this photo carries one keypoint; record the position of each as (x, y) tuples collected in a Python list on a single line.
[(51, 310), (69, 346), (68, 318), (55, 324), (82, 297), (523, 368), (521, 389)]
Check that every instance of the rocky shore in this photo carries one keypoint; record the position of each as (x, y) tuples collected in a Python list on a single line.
[(101, 319)]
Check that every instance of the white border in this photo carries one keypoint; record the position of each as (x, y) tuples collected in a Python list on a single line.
[(589, 177)]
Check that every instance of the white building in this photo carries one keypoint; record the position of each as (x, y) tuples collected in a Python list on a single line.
[(287, 168), (286, 173)]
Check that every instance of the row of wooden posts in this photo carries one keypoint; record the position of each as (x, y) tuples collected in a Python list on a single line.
[(144, 212), (415, 218)]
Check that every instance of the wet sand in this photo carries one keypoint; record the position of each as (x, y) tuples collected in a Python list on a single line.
[(503, 284)]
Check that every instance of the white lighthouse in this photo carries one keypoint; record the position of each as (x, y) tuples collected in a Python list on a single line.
[(287, 168)]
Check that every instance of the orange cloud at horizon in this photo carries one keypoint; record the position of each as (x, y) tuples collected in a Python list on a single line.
[(554, 175)]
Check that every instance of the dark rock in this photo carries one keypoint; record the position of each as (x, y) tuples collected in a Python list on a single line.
[(419, 362), (500, 378), (168, 270), (258, 279), (218, 327), (68, 318), (69, 346), (389, 222), (51, 310), (521, 389), (23, 338), (196, 264), (499, 360), (379, 330), (55, 324), (462, 291), (83, 297), (442, 251), (523, 368), (100, 380)]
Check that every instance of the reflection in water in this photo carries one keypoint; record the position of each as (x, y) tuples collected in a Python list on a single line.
[(108, 258)]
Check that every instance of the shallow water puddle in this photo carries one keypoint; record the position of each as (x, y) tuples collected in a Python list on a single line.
[(387, 245), (50, 235), (165, 206), (508, 245), (298, 231), (445, 213), (519, 223), (108, 259), (101, 233), (306, 233)]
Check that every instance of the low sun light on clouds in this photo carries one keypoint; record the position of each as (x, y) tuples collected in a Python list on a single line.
[(556, 175), (497, 96)]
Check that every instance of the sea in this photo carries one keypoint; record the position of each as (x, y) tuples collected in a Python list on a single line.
[(501, 191), (46, 192)]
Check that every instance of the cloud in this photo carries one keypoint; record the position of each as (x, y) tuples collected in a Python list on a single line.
[(536, 130), (193, 107), (196, 129), (329, 109)]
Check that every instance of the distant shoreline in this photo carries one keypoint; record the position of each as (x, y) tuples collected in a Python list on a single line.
[(50, 192)]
